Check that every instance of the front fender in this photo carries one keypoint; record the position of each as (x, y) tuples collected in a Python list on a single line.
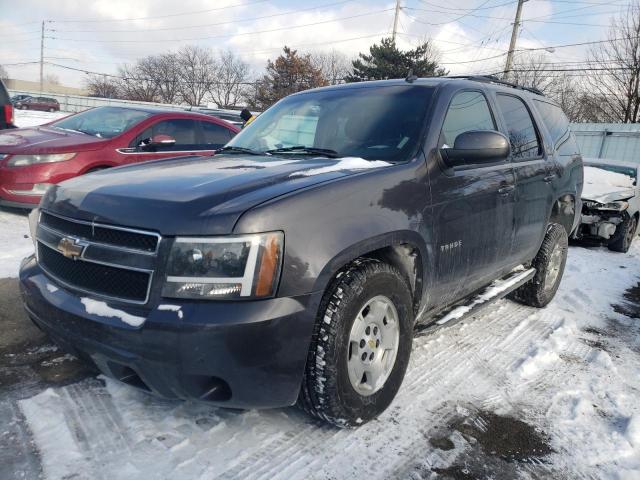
[(330, 224)]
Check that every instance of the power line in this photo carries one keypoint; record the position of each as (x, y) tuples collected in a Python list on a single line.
[(468, 14), (207, 25), (290, 27), (533, 19), (469, 9), (162, 16)]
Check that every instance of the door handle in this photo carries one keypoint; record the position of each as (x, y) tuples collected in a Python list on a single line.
[(506, 190), (549, 178)]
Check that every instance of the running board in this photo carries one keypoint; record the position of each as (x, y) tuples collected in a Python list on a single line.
[(494, 292)]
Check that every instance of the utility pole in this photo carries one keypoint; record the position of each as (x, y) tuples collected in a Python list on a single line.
[(395, 21), (514, 38), (41, 55)]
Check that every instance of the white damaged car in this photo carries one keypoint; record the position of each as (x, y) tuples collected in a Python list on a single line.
[(610, 203)]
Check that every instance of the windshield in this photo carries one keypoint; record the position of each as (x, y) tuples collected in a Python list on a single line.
[(102, 122), (628, 171), (374, 123)]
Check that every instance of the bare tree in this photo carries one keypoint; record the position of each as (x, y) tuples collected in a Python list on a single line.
[(334, 65), (102, 86), (532, 70), (197, 73), (51, 79), (231, 76), (164, 72), (571, 92), (135, 85), (615, 79), (4, 75)]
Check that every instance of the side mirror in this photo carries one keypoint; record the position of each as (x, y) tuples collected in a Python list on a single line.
[(156, 141), (477, 147), (162, 140)]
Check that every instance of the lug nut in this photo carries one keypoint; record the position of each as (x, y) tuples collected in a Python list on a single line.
[(362, 343), (368, 330), (364, 357), (377, 343), (371, 356), (375, 330)]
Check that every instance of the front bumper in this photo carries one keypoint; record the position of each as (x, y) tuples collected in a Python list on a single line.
[(248, 354)]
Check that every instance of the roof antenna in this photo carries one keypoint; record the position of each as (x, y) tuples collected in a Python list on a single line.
[(410, 77)]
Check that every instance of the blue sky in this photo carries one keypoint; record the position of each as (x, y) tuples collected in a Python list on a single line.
[(100, 34)]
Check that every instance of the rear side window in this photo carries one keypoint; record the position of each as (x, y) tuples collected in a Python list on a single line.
[(467, 111), (556, 121), (522, 131), (215, 136)]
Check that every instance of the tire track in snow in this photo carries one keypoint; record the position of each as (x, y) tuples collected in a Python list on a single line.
[(478, 363)]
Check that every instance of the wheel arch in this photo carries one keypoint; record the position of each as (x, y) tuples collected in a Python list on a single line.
[(405, 250), (563, 211)]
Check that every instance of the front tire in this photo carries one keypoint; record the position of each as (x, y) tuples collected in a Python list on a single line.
[(361, 345), (625, 233), (549, 264)]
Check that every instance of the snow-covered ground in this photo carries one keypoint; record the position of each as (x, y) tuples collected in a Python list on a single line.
[(571, 372), (31, 118), (15, 242)]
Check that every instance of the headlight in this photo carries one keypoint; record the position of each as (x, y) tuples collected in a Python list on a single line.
[(244, 266), (615, 206), (24, 160)]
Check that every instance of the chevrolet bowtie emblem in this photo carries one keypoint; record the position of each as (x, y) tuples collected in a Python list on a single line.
[(70, 248)]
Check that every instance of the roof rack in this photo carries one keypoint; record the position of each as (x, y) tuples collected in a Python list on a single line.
[(494, 79)]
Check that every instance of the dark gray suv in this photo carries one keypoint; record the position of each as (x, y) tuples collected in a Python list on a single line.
[(295, 264)]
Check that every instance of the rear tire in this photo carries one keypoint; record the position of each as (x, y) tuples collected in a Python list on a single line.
[(625, 233), (549, 264), (364, 327)]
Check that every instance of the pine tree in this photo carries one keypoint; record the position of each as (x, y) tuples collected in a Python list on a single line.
[(387, 61)]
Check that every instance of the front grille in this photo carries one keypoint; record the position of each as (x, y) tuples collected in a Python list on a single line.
[(95, 278), (103, 234)]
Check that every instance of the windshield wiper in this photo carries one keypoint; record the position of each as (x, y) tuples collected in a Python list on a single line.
[(233, 149), (302, 149), (72, 130)]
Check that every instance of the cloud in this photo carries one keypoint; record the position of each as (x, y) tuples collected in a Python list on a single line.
[(100, 45)]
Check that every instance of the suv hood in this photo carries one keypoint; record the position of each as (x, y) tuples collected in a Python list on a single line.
[(46, 140), (192, 195)]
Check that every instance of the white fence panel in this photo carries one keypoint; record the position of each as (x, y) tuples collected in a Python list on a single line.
[(78, 103)]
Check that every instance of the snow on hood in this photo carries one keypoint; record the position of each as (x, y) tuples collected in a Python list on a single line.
[(604, 186), (346, 163)]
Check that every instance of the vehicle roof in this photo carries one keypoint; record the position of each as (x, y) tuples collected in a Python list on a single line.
[(162, 111), (608, 161), (469, 81)]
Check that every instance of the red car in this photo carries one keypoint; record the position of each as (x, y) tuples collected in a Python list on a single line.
[(33, 158), (44, 104)]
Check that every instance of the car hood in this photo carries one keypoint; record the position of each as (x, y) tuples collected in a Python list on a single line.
[(36, 140), (604, 186), (192, 195), (608, 197)]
